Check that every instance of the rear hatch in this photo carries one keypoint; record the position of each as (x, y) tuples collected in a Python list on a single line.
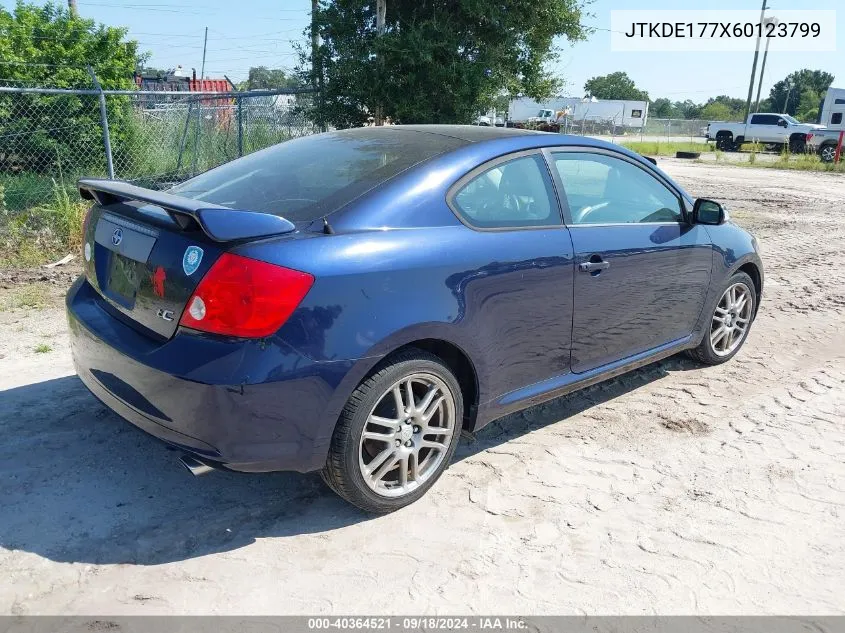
[(146, 251)]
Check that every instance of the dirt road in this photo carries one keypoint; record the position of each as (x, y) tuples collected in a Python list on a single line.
[(674, 489)]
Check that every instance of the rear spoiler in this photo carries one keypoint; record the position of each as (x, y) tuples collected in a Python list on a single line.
[(219, 223)]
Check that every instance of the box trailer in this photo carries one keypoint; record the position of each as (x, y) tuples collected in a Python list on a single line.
[(614, 113), (832, 111)]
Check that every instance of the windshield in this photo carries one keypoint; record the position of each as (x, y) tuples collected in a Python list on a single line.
[(310, 177), (790, 119)]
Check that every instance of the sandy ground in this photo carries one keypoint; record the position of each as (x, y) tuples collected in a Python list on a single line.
[(674, 489)]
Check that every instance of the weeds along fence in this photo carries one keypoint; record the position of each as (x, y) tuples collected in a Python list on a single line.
[(51, 137)]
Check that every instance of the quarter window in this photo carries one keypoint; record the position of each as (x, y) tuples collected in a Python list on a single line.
[(601, 189), (514, 194)]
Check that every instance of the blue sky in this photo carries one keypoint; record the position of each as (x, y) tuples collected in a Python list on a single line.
[(262, 32)]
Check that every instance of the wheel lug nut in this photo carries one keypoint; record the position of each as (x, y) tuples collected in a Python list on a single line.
[(409, 443), (416, 429), (398, 443)]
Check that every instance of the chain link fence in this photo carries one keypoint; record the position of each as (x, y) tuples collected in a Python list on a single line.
[(654, 130), (49, 138)]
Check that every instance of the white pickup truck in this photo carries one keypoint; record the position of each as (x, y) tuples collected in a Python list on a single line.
[(765, 128)]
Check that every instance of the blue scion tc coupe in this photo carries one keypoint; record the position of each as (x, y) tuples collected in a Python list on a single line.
[(350, 302)]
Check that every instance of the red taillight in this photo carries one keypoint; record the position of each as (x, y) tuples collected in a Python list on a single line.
[(244, 297)]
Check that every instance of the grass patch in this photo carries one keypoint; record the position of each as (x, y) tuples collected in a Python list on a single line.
[(43, 348), (797, 162), (806, 162), (42, 233), (33, 296), (656, 148)]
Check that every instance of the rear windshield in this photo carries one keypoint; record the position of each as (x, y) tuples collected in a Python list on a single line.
[(309, 177)]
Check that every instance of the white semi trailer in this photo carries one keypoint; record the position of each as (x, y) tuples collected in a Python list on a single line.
[(617, 113)]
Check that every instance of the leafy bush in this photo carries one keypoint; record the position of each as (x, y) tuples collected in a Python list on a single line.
[(47, 46)]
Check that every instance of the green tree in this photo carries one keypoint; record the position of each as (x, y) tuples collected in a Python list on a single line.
[(717, 111), (46, 46), (688, 109), (439, 61), (616, 85), (808, 106), (263, 78), (723, 108), (661, 109), (787, 93)]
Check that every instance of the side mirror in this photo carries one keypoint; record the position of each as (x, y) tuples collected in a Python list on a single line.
[(708, 212), (782, 123)]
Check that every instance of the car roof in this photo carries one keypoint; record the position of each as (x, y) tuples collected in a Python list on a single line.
[(494, 141), (496, 138), (469, 133)]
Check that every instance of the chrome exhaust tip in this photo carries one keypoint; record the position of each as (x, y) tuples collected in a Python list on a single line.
[(195, 466)]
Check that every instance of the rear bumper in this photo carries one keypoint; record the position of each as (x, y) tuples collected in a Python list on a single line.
[(250, 406)]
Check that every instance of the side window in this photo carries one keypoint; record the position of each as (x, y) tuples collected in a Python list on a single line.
[(836, 118), (514, 194), (601, 189), (764, 119)]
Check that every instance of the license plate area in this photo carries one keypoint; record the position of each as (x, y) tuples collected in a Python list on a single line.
[(122, 249)]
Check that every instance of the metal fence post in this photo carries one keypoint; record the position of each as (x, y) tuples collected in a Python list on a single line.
[(104, 122), (184, 136), (240, 102)]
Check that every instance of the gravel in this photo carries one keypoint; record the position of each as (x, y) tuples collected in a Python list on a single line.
[(675, 489)]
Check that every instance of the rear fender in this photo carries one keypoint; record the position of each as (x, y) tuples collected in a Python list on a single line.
[(363, 367)]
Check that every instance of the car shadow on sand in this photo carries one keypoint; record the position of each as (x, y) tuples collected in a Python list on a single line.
[(78, 484)]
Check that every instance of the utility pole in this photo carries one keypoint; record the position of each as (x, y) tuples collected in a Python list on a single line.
[(202, 68), (71, 5), (315, 42), (786, 98), (772, 20), (381, 12), (754, 65), (199, 106)]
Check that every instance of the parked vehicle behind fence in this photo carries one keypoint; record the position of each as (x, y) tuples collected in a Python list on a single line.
[(350, 302), (777, 130)]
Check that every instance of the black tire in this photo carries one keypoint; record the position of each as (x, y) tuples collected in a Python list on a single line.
[(687, 154), (725, 142), (827, 152), (705, 353), (342, 472), (797, 144)]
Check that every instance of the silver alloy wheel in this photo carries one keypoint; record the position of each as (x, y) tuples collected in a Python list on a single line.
[(828, 153), (731, 319), (407, 435)]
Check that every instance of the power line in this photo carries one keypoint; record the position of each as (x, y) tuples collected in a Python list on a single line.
[(147, 5), (185, 10)]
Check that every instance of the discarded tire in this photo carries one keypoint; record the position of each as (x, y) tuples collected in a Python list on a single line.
[(687, 154)]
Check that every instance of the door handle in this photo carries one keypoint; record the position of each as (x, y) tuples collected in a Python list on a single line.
[(592, 267)]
